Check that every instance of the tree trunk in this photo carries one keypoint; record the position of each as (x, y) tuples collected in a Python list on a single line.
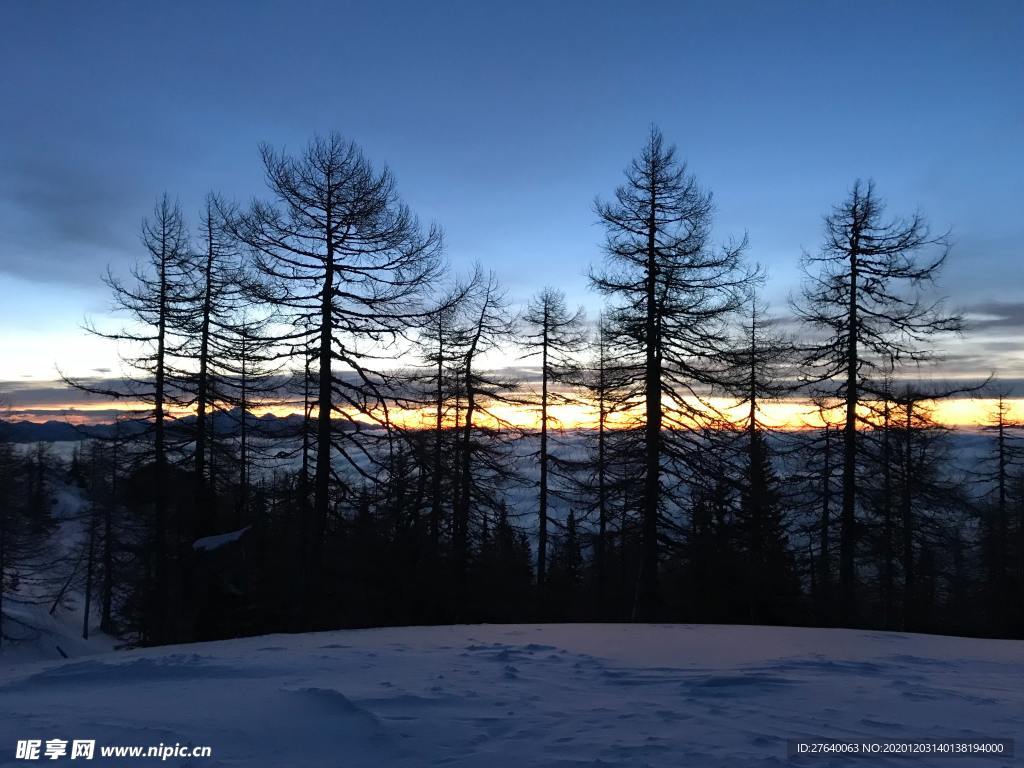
[(887, 527), (542, 515), (243, 447), (161, 632), (602, 490), (461, 522), (435, 480), (847, 522), (107, 598), (322, 479), (202, 525), (647, 603), (87, 608), (824, 555), (908, 524)]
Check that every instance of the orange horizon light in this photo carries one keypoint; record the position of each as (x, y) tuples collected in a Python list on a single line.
[(777, 414)]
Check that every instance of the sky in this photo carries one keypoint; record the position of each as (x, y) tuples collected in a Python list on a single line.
[(502, 122)]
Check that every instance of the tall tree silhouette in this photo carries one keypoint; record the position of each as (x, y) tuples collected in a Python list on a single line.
[(345, 261), (215, 267), (763, 359), (442, 343), (1001, 510), (553, 335), (155, 306), (671, 296), (248, 375), (436, 391), (864, 299), (605, 478), (482, 463)]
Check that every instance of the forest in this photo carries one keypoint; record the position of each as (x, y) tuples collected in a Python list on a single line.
[(400, 489)]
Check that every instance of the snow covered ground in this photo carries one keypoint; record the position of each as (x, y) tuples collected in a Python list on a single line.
[(557, 695), (39, 635)]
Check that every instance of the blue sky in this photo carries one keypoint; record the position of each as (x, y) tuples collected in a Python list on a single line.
[(502, 123)]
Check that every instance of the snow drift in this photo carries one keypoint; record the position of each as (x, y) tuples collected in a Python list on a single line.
[(556, 695)]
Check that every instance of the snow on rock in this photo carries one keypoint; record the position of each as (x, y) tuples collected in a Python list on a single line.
[(210, 543), (556, 695)]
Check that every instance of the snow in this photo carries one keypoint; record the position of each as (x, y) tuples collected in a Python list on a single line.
[(516, 695), (34, 634), (31, 631), (210, 543)]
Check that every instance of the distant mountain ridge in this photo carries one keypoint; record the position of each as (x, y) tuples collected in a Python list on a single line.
[(224, 423)]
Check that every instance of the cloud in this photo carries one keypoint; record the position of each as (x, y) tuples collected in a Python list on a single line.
[(996, 315), (65, 216), (22, 395)]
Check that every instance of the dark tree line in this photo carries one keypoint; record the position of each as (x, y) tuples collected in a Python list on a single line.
[(410, 476)]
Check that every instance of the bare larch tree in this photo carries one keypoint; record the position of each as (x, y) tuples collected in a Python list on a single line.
[(347, 263), (864, 301), (671, 295), (554, 335)]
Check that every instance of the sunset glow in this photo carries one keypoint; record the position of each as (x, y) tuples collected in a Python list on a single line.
[(780, 414)]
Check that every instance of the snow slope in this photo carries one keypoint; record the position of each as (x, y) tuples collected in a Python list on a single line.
[(34, 633), (557, 695)]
